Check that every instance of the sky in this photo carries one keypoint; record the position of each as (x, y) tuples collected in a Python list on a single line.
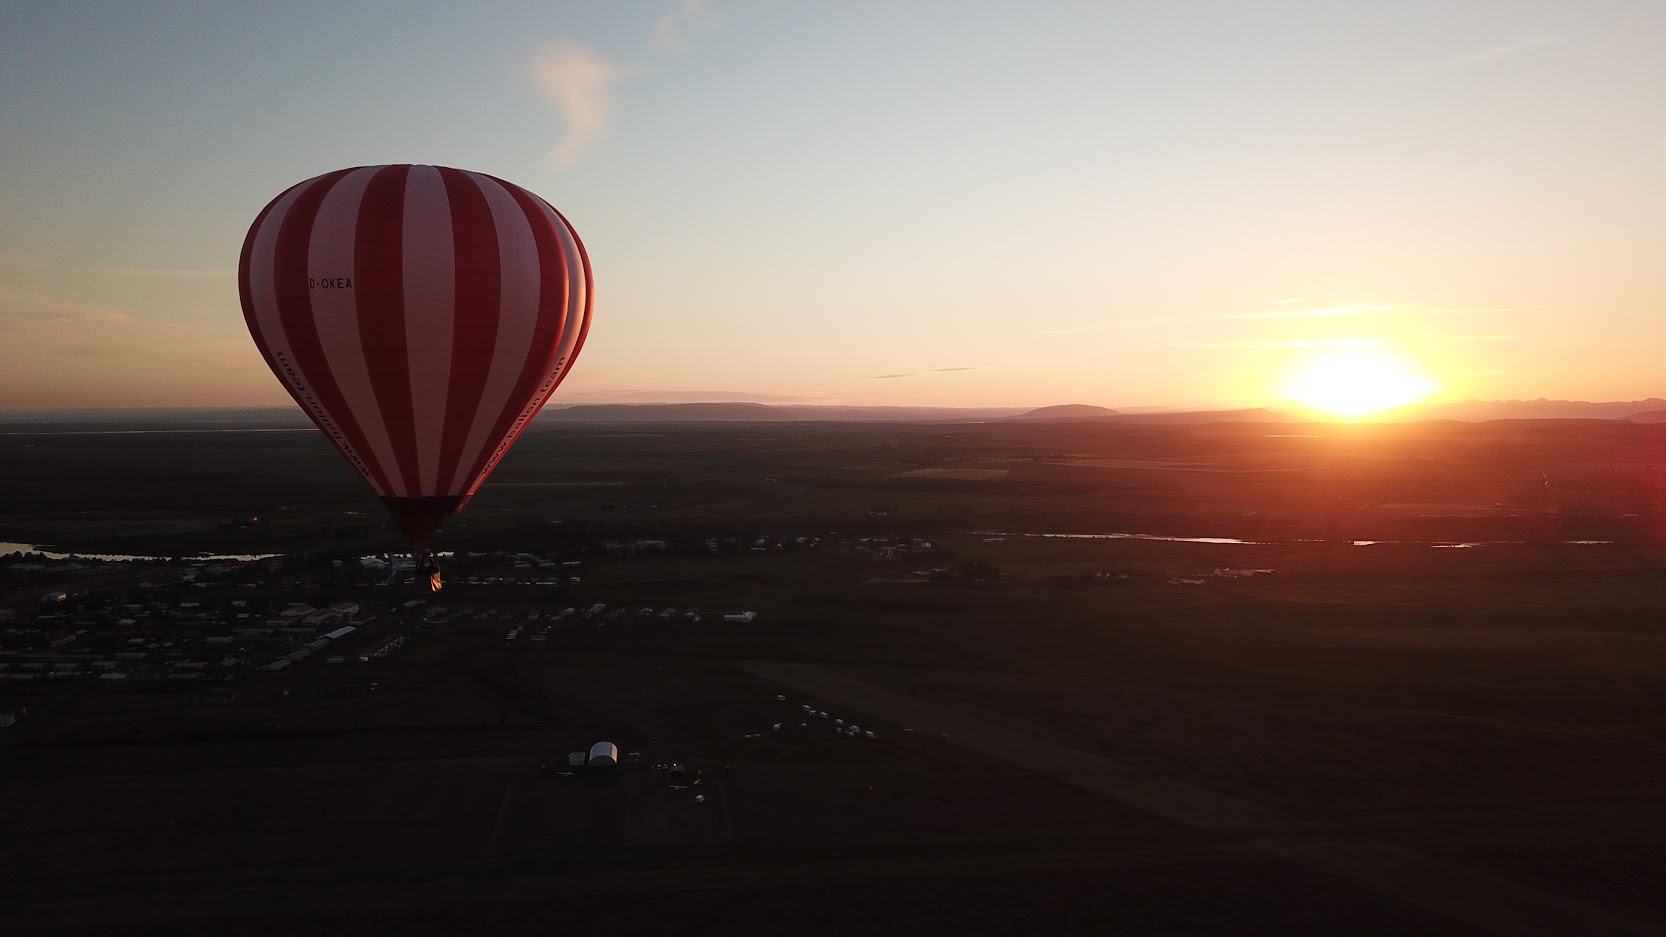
[(957, 203)]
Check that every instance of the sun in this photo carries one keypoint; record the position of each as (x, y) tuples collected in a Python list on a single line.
[(1358, 382)]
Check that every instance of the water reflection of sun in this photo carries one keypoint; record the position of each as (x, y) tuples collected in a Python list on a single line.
[(1352, 383)]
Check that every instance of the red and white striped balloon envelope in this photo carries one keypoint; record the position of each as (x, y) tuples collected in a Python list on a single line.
[(420, 316)]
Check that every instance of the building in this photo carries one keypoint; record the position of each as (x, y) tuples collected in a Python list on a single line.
[(604, 755)]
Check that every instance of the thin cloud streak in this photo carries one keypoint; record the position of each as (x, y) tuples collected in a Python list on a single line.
[(577, 82), (49, 317), (886, 377), (1322, 343), (1308, 313), (178, 273), (1507, 50), (41, 307), (15, 259), (1480, 309)]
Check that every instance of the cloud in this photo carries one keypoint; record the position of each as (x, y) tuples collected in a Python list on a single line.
[(1480, 309), (887, 377), (43, 318), (577, 81), (1307, 313), (178, 273), (1320, 343), (1506, 50), (39, 307), (1481, 338), (667, 29)]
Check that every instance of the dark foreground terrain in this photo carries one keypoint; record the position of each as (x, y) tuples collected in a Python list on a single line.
[(1345, 679)]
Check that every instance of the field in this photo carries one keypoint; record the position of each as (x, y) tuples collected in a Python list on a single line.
[(1230, 678)]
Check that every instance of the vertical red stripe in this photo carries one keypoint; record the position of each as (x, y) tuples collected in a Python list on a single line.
[(294, 302), (379, 286), (546, 337), (479, 288)]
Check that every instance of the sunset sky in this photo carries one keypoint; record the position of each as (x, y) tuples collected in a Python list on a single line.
[(947, 203)]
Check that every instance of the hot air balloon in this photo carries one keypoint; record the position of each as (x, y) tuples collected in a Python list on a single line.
[(421, 316)]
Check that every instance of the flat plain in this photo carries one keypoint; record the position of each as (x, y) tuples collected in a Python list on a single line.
[(1122, 678)]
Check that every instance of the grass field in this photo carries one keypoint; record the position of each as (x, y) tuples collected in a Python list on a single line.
[(1454, 652)]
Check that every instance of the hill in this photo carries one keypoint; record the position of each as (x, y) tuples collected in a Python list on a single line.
[(1067, 411), (761, 413), (1475, 411)]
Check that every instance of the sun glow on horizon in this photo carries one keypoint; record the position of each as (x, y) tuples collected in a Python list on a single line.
[(1354, 383)]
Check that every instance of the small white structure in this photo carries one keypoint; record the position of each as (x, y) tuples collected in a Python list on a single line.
[(740, 616), (575, 759), (604, 755)]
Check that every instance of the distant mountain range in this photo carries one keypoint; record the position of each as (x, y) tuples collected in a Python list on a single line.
[(764, 413), (1651, 410), (181, 417), (1475, 411)]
